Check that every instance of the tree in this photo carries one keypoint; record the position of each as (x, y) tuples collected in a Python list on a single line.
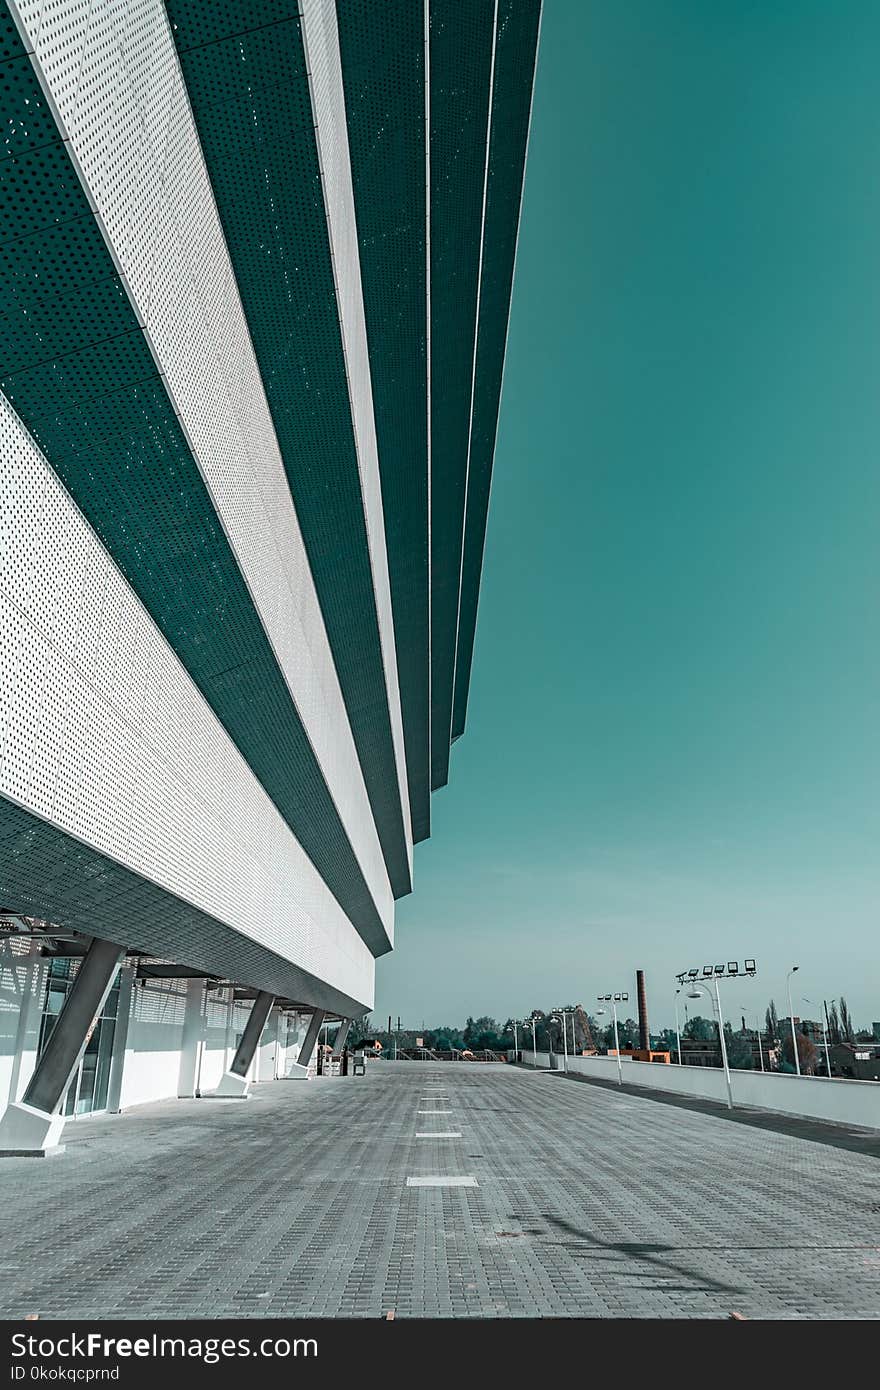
[(700, 1029), (360, 1028), (772, 1022), (739, 1050), (848, 1033), (444, 1038), (834, 1025), (807, 1054), (584, 1029)]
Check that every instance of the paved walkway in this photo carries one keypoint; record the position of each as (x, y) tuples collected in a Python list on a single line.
[(305, 1201)]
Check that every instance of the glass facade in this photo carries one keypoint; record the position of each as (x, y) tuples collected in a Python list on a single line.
[(88, 1088)]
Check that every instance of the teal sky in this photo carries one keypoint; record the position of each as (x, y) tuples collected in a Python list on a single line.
[(672, 747)]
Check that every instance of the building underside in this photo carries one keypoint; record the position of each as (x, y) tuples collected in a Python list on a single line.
[(256, 263)]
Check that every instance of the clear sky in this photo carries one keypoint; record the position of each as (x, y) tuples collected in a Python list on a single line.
[(672, 747)]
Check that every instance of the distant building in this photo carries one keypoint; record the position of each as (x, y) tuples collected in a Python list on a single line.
[(856, 1061)]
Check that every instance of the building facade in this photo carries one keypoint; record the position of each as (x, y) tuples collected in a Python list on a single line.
[(257, 269)]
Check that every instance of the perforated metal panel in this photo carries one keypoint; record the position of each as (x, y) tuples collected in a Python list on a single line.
[(461, 53), (513, 80), (168, 839), (246, 76), (383, 68), (321, 46), (204, 545)]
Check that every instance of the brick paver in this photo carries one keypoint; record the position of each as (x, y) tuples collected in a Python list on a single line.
[(589, 1203)]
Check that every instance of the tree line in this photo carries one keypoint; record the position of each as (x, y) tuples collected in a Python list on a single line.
[(588, 1033)]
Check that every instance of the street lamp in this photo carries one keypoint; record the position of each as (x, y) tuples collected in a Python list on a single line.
[(560, 1018), (565, 1012), (614, 1000), (797, 1060), (530, 1022), (805, 1000), (760, 1048), (677, 1025), (515, 1041), (694, 992)]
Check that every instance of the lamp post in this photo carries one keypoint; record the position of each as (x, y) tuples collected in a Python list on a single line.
[(716, 973), (694, 993), (797, 1060), (559, 1017), (677, 1025), (614, 1000), (515, 1042), (530, 1022), (805, 1000), (828, 1028), (760, 1048)]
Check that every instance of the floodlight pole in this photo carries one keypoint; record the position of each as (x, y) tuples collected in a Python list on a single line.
[(794, 1047), (677, 1026), (723, 1046)]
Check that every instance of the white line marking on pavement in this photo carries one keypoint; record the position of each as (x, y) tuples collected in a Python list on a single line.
[(438, 1134), (437, 1181)]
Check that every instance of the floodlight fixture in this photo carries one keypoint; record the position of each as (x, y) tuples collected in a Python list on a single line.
[(692, 974), (732, 967), (708, 972), (624, 996), (719, 970), (750, 967)]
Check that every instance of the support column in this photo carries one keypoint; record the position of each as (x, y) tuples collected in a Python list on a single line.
[(233, 1083), (341, 1036), (311, 1037), (120, 1039), (192, 1040), (32, 1127), (299, 1070)]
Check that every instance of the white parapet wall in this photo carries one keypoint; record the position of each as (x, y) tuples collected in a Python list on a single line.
[(814, 1097)]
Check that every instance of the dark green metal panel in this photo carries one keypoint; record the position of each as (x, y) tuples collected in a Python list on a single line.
[(515, 52), (46, 874), (245, 74), (383, 70), (94, 402), (461, 43)]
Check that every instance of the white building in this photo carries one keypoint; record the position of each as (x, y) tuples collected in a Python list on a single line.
[(257, 261)]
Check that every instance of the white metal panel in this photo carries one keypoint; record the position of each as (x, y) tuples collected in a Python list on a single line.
[(112, 74), (103, 733), (321, 42)]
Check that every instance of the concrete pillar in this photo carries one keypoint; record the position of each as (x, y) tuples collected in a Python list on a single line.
[(32, 1126), (342, 1035), (311, 1037), (120, 1039), (193, 1039), (233, 1083)]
